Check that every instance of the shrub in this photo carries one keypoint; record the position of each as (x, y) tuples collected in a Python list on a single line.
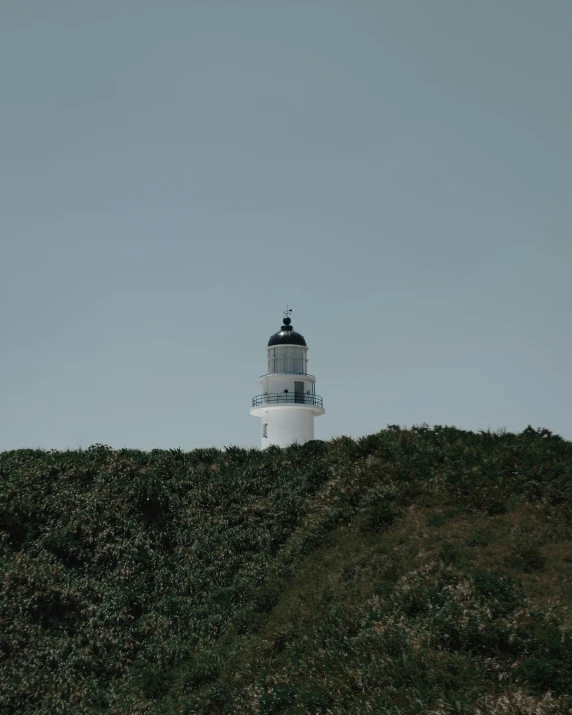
[(546, 674), (479, 538), (168, 581), (499, 590)]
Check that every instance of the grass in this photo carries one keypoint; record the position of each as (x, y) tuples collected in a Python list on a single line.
[(411, 571)]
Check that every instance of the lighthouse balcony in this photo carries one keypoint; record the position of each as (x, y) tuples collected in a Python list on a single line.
[(287, 398), (293, 372)]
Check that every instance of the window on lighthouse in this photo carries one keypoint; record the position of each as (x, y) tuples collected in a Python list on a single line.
[(264, 429), (287, 358)]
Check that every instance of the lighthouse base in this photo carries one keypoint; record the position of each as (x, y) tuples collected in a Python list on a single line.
[(283, 425)]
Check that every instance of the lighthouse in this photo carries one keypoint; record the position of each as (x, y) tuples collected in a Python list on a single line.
[(288, 403)]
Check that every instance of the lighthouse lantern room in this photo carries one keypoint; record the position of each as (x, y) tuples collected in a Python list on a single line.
[(288, 403)]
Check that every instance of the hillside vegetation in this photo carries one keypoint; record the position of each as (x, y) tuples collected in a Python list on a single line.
[(411, 571)]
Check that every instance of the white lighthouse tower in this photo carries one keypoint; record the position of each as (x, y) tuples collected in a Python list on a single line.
[(288, 403)]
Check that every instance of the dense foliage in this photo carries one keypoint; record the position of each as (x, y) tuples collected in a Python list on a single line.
[(411, 571)]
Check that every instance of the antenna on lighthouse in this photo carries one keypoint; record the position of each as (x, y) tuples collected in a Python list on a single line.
[(288, 311)]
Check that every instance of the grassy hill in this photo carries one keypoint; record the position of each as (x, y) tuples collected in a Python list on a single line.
[(411, 571)]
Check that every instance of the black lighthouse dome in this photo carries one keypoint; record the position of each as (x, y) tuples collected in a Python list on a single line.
[(287, 336)]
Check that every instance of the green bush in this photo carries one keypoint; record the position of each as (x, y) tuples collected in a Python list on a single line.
[(499, 591), (197, 582), (546, 674), (479, 538)]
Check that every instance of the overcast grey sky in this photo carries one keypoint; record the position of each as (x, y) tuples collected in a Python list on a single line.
[(173, 173)]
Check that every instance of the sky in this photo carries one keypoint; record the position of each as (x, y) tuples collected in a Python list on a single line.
[(173, 174)]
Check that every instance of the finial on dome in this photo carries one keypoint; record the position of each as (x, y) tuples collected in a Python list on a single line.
[(287, 319)]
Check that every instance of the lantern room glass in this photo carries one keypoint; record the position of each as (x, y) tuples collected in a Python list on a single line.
[(287, 358)]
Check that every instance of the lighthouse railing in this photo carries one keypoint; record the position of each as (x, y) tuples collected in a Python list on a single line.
[(287, 398), (300, 374)]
